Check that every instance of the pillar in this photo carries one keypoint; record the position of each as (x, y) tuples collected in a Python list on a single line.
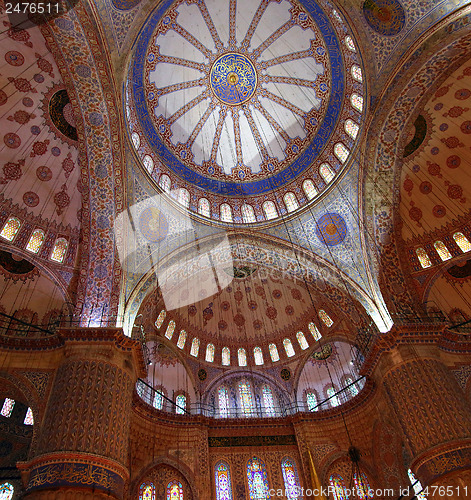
[(83, 443)]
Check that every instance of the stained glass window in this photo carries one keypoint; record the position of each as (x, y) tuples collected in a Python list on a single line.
[(58, 252), (268, 402), (273, 353), (148, 163), (357, 102), (226, 213), (353, 389), (223, 481), (184, 197), (226, 356), (362, 486), (180, 402), (36, 241), (290, 201), (170, 329), (326, 172), (341, 152), (160, 318), (158, 399), (29, 420), (257, 479), (462, 242), (164, 183), (195, 347), (309, 189), (288, 347), (7, 407), (245, 394), (325, 318), (242, 357), (311, 400), (223, 399), (332, 395), (248, 215), (270, 210), (6, 491), (209, 353), (356, 73), (424, 259), (351, 128), (174, 491), (203, 207), (349, 43), (136, 140), (442, 250), (416, 485), (291, 479), (10, 228), (181, 339), (302, 340), (338, 485), (258, 355), (314, 330)]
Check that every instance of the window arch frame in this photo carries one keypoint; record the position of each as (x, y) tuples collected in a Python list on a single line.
[(229, 480), (271, 213), (291, 495), (203, 209), (264, 479), (175, 482)]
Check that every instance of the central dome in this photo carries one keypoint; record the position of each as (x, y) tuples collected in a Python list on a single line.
[(237, 102)]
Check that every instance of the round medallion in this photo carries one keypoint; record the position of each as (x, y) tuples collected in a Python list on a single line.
[(331, 229), (153, 225), (285, 374), (233, 79)]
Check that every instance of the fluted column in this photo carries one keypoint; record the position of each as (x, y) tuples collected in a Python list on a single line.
[(83, 443)]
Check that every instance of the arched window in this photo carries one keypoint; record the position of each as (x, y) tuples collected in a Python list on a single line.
[(226, 356), (270, 210), (258, 355), (7, 407), (325, 318), (181, 339), (222, 479), (195, 347), (226, 213), (311, 401), (362, 486), (245, 394), (148, 163), (302, 340), (462, 242), (326, 172), (147, 491), (341, 152), (248, 215), (333, 398), (223, 400), (352, 388), (6, 491), (203, 207), (242, 357), (273, 353), (424, 259), (315, 332), (184, 197), (36, 241), (158, 401), (291, 202), (351, 128), (29, 420), (58, 252), (175, 490), (180, 402), (291, 479), (209, 353), (257, 479), (268, 402), (288, 347), (442, 250), (357, 102), (170, 329), (10, 228), (136, 139), (160, 318), (164, 183), (416, 485), (309, 189), (349, 43), (356, 73), (338, 486)]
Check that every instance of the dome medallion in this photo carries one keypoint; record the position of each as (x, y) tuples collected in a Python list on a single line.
[(241, 102)]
